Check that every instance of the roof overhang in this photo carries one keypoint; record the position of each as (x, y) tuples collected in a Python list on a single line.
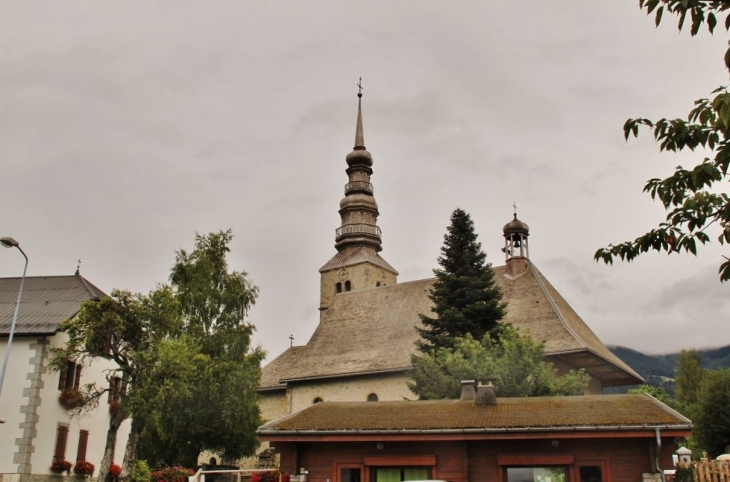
[(596, 366), (502, 433)]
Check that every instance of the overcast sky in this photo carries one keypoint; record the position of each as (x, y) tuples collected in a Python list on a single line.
[(126, 127)]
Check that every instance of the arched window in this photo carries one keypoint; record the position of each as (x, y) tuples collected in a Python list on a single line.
[(212, 461), (373, 397), (316, 401), (338, 287), (348, 285), (377, 284)]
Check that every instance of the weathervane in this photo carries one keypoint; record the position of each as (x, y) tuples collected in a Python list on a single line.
[(514, 205), (78, 267), (359, 88)]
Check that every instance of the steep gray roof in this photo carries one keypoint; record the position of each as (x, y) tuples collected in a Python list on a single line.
[(46, 302), (373, 331), (356, 256)]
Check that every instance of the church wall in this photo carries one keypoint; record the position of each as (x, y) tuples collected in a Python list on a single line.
[(361, 276), (388, 387), (273, 404)]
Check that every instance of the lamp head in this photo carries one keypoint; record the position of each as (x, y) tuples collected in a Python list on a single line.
[(9, 242)]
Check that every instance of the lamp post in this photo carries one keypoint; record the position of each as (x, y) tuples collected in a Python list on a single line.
[(8, 242)]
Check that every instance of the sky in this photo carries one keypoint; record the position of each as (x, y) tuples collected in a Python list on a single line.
[(127, 127)]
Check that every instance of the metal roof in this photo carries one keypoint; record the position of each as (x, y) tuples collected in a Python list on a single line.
[(46, 302)]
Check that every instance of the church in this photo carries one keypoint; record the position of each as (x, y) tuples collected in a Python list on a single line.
[(362, 347)]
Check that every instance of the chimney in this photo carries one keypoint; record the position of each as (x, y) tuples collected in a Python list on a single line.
[(485, 394), (467, 390)]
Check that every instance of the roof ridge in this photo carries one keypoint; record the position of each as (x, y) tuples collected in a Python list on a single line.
[(92, 289), (553, 305)]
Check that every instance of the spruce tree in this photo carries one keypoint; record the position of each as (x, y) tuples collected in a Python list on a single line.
[(465, 298)]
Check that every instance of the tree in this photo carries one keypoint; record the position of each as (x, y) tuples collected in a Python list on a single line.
[(687, 381), (694, 197), (465, 298), (712, 420), (127, 329), (216, 407), (513, 360), (657, 392)]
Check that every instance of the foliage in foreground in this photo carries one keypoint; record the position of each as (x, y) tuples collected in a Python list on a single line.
[(712, 419), (466, 299), (695, 198), (514, 361)]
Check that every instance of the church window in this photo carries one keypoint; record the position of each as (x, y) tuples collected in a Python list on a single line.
[(348, 285), (317, 400), (338, 287), (377, 284), (373, 397)]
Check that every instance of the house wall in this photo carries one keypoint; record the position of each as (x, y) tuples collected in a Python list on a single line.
[(623, 460), (29, 403)]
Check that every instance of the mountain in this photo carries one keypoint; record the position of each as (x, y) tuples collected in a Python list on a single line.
[(658, 370)]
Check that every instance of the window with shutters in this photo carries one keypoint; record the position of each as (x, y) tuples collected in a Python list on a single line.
[(116, 389), (70, 377), (59, 452), (83, 441)]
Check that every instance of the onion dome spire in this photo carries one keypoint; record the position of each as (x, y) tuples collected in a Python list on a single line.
[(358, 209)]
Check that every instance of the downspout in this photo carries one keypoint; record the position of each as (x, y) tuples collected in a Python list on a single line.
[(657, 431)]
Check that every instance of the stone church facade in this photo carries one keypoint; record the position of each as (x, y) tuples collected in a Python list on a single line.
[(362, 347)]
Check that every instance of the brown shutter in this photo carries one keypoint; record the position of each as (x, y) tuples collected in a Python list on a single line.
[(61, 438), (83, 440), (77, 381), (110, 395), (62, 379)]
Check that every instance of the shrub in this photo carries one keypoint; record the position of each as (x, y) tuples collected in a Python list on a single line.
[(84, 468), (140, 472), (171, 474), (62, 465), (270, 476)]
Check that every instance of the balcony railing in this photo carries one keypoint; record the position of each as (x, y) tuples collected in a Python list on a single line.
[(358, 186), (370, 229)]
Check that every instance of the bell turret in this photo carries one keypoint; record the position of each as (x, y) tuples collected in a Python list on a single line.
[(516, 247)]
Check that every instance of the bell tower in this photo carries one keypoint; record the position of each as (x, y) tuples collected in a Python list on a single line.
[(516, 247), (357, 264)]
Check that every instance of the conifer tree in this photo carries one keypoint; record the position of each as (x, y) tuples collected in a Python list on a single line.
[(465, 298)]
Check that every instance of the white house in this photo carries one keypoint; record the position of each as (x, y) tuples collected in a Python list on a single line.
[(37, 428)]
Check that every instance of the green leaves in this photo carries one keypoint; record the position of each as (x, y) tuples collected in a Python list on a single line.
[(700, 11), (693, 197), (514, 361)]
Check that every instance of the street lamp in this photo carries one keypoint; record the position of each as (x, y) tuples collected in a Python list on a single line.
[(8, 242)]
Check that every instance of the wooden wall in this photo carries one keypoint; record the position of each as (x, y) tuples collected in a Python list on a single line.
[(623, 460)]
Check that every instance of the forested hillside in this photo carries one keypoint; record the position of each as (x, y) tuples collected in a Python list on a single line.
[(658, 370)]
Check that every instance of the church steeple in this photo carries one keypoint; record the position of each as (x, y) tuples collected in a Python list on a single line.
[(358, 209), (357, 264)]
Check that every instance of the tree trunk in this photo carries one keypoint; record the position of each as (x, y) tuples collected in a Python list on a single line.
[(131, 449), (111, 437)]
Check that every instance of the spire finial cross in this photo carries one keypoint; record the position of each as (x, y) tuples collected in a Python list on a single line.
[(359, 88), (291, 340), (78, 267)]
